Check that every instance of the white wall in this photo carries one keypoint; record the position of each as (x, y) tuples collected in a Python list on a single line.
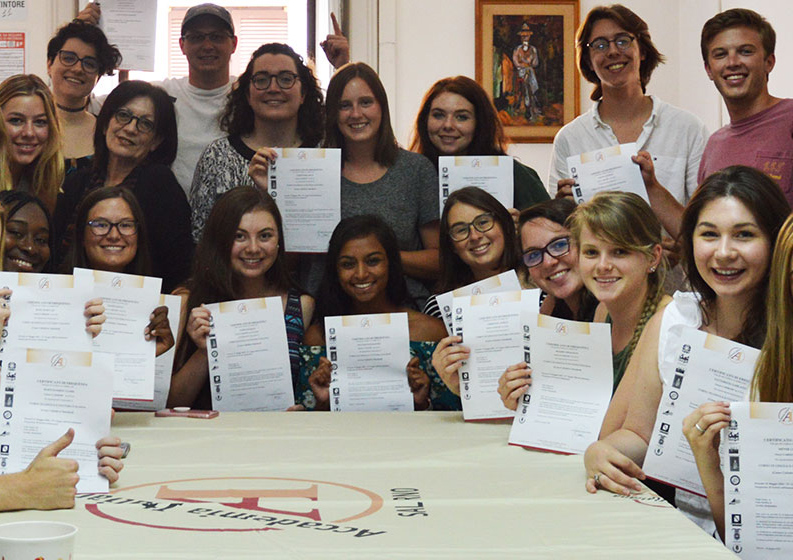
[(435, 38)]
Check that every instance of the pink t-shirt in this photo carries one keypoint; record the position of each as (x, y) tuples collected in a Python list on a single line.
[(763, 141)]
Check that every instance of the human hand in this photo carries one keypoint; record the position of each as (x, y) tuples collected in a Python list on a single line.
[(319, 381), (296, 408), (447, 359), (259, 166), (91, 13), (671, 249), (94, 316), (5, 306), (564, 187), (645, 162), (198, 326), (610, 470), (160, 329), (515, 213), (50, 481), (419, 385), (702, 428), (110, 453), (513, 383), (336, 45)]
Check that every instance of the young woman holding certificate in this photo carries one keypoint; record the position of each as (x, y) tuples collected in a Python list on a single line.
[(457, 118), (728, 233), (240, 256), (33, 149), (363, 275), (552, 262), (772, 381), (378, 177)]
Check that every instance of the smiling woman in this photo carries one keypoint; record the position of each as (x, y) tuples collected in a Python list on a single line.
[(28, 239), (135, 143)]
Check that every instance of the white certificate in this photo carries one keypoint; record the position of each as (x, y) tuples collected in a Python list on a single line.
[(572, 377), (163, 364), (45, 392), (369, 355), (491, 326), (493, 174), (46, 311), (129, 301), (306, 185), (706, 368), (757, 462), (504, 282), (131, 26), (608, 169), (248, 356)]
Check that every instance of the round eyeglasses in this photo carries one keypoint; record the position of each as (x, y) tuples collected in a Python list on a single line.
[(601, 44), (101, 227), (556, 248), (482, 223), (125, 116), (89, 63), (285, 79)]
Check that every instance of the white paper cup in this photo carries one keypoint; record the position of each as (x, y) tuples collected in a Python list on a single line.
[(31, 540)]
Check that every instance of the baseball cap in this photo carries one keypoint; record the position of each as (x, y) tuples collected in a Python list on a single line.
[(208, 10)]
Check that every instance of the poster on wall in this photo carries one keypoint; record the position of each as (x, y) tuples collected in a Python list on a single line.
[(13, 10), (12, 54), (525, 60)]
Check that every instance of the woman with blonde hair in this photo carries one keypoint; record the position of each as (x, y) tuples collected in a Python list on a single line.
[(772, 381), (33, 150)]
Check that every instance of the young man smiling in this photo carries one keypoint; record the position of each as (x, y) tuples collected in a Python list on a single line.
[(738, 50)]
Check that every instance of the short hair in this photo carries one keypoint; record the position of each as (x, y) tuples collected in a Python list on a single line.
[(387, 149), (773, 374), (556, 210), (631, 23), (108, 56), (11, 203), (737, 17), (331, 298), (77, 257), (238, 118), (164, 122), (454, 272), (489, 138), (762, 196), (49, 168)]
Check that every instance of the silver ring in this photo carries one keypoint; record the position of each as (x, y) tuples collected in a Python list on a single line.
[(698, 427), (596, 478)]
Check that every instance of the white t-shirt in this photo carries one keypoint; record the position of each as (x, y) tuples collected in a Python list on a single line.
[(675, 138)]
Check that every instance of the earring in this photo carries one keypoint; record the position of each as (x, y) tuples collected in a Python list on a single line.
[(652, 269)]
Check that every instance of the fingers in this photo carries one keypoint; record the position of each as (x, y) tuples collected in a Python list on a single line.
[(58, 445), (564, 188), (336, 26), (158, 321), (296, 408), (513, 384), (198, 325), (95, 316), (110, 446), (109, 467)]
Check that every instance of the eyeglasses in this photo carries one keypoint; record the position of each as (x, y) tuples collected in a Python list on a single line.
[(482, 223), (69, 58), (215, 38), (101, 227), (125, 116), (622, 42), (556, 248), (285, 79)]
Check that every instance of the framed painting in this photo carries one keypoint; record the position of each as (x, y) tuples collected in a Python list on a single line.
[(525, 60)]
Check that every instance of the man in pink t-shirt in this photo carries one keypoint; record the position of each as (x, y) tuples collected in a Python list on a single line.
[(738, 50)]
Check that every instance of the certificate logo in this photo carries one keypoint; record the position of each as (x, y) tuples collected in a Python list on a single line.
[(495, 300), (117, 282), (600, 157), (242, 307), (561, 328), (476, 291), (44, 283), (58, 361), (476, 163), (785, 415), (735, 355), (366, 323), (301, 155)]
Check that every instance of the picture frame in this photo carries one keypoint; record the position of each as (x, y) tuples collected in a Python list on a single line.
[(526, 61)]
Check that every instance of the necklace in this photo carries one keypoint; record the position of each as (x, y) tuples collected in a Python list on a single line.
[(71, 109)]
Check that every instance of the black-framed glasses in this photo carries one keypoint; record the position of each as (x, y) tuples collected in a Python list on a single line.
[(482, 223), (285, 79), (216, 37), (101, 227), (556, 248), (89, 63), (622, 42), (125, 116)]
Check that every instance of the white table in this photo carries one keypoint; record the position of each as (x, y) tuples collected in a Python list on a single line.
[(338, 484)]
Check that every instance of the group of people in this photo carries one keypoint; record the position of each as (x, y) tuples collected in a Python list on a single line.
[(174, 185)]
